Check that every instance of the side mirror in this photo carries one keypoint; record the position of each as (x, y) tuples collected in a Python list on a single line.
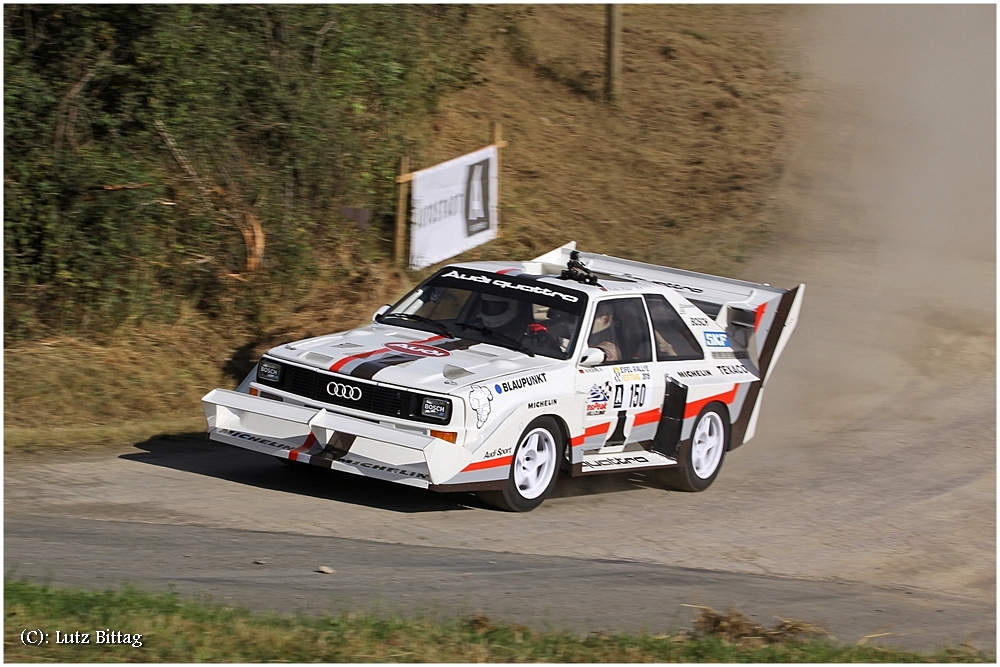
[(381, 311), (592, 356)]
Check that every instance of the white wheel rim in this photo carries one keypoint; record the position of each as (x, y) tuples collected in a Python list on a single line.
[(706, 445), (535, 463)]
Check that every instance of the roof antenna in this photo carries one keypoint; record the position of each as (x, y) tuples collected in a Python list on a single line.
[(575, 270)]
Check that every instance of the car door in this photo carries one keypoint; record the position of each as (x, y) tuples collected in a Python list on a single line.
[(622, 394), (678, 355)]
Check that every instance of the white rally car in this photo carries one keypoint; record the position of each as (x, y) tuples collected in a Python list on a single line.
[(493, 376)]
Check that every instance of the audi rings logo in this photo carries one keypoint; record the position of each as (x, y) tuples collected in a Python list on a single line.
[(344, 391)]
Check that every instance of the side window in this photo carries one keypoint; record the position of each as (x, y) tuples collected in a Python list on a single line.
[(674, 341), (621, 329)]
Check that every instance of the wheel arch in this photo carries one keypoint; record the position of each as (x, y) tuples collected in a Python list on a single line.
[(564, 432)]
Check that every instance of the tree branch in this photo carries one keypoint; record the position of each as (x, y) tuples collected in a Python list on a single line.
[(62, 124), (319, 43)]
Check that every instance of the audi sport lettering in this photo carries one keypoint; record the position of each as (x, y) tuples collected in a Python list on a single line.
[(478, 379)]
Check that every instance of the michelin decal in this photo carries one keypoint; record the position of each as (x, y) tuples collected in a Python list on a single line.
[(479, 400)]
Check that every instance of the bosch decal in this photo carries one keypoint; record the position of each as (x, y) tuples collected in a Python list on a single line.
[(716, 339), (700, 322)]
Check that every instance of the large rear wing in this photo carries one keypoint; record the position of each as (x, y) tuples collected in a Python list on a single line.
[(757, 317)]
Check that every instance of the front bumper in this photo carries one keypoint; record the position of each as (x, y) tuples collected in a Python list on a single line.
[(331, 440)]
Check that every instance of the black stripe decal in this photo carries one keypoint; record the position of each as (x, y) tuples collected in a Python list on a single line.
[(739, 428), (367, 370)]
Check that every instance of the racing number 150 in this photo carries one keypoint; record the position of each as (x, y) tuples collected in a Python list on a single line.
[(636, 395)]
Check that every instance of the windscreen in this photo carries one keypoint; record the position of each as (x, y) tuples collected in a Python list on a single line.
[(517, 312)]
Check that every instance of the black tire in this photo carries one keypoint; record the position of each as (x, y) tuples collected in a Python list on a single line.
[(524, 493), (686, 475)]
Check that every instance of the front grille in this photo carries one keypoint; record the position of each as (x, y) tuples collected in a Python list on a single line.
[(374, 398)]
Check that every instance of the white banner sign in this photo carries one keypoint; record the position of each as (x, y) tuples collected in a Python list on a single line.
[(454, 207)]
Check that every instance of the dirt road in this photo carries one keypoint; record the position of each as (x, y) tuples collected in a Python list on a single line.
[(874, 465)]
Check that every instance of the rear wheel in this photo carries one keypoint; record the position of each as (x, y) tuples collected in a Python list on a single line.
[(534, 468), (700, 458)]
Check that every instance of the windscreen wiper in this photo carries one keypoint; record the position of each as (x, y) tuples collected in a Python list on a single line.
[(439, 327), (505, 341)]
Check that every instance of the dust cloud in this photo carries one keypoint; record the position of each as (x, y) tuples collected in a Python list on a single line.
[(882, 410)]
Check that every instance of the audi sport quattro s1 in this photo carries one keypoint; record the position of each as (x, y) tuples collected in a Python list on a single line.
[(491, 377)]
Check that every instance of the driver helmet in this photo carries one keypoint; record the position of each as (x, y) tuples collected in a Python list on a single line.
[(497, 311)]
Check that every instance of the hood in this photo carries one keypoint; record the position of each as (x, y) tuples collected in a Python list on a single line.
[(408, 358)]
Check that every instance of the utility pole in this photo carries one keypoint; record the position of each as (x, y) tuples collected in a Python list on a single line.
[(613, 52)]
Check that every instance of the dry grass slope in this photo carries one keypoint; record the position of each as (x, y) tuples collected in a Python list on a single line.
[(681, 175)]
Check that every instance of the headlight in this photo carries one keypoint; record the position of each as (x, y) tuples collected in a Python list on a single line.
[(435, 408), (268, 371)]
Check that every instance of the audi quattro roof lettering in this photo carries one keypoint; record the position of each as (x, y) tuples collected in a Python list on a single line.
[(508, 283)]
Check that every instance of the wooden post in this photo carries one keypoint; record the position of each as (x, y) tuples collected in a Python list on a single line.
[(613, 53), (499, 143), (404, 190)]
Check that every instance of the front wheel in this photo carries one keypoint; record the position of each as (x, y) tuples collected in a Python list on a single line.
[(534, 468), (700, 458)]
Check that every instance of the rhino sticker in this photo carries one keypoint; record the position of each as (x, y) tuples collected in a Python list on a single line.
[(479, 399)]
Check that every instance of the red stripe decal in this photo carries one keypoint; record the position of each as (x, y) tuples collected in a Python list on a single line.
[(589, 431), (363, 355), (760, 313), (647, 417), (692, 409), (505, 271), (343, 362), (489, 463), (303, 448)]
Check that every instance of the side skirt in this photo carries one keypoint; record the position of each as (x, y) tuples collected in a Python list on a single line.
[(596, 464), (470, 486)]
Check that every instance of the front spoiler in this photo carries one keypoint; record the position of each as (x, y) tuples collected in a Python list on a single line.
[(331, 440)]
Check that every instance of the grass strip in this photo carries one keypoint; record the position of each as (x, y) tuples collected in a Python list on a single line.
[(176, 630)]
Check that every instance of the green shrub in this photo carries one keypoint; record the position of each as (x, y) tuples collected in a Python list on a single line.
[(281, 114)]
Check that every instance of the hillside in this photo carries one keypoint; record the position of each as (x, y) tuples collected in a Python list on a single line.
[(680, 174)]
